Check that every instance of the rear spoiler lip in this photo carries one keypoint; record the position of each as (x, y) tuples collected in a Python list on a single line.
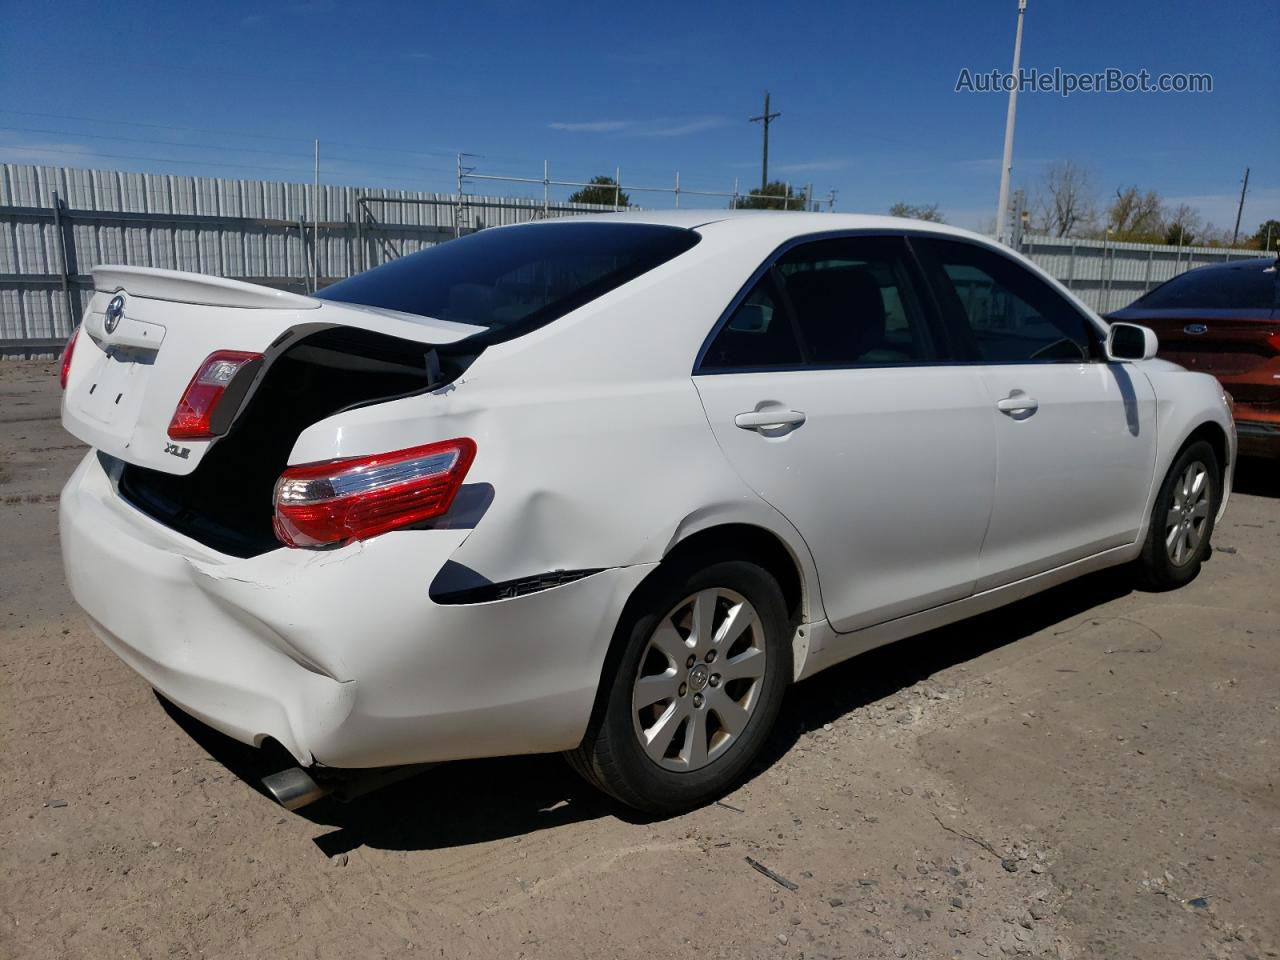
[(153, 283)]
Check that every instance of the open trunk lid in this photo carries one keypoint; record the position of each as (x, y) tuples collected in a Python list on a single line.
[(130, 368)]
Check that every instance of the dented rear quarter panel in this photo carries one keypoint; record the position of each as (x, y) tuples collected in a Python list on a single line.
[(598, 455)]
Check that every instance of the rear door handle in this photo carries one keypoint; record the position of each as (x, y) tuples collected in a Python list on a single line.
[(769, 418), (1017, 403)]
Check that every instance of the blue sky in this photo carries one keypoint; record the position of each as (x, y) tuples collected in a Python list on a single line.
[(866, 91)]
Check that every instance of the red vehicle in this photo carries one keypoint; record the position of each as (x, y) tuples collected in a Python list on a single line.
[(1225, 320)]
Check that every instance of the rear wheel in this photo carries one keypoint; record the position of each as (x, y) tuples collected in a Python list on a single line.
[(705, 662), (1182, 519)]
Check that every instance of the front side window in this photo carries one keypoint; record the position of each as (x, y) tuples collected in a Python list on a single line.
[(842, 302), (1006, 313)]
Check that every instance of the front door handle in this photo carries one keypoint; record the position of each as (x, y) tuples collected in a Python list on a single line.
[(769, 419), (1018, 405)]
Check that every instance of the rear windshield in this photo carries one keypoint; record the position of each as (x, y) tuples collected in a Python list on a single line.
[(1246, 287), (514, 279)]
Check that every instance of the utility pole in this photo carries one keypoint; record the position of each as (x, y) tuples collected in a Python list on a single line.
[(1006, 164), (765, 119), (1235, 234)]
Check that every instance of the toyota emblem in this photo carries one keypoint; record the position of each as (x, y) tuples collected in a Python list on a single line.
[(115, 310)]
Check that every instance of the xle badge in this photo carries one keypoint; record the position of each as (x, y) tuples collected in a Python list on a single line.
[(176, 451)]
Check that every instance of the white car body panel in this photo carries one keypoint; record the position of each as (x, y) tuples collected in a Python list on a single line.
[(604, 453), (1071, 479), (891, 435)]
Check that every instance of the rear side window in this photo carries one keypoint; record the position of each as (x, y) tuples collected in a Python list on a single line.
[(759, 334), (1246, 287), (1006, 313), (515, 279)]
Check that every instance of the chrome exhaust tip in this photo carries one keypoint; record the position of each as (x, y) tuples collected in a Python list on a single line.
[(294, 789)]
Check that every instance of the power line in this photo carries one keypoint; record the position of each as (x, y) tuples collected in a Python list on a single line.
[(299, 170), (202, 146), (166, 143), (442, 152), (157, 126), (124, 156)]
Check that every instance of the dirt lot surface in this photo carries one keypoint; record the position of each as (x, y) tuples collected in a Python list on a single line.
[(1089, 773)]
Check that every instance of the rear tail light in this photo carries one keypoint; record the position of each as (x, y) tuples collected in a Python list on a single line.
[(1274, 341), (67, 351), (319, 504), (193, 419)]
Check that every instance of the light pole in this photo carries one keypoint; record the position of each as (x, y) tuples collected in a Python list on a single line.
[(1006, 164)]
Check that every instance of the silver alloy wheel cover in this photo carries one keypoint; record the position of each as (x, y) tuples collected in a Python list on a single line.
[(1188, 515), (700, 681)]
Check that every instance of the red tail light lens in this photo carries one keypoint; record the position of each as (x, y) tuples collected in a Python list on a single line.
[(67, 351), (1274, 341), (193, 419), (319, 504)]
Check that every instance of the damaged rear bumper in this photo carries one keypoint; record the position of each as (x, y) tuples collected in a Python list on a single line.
[(341, 655)]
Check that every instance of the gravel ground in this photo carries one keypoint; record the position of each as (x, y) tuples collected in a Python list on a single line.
[(1090, 773)]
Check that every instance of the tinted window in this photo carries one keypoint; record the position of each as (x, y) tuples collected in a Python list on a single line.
[(517, 278), (1008, 314), (854, 303), (1231, 288), (759, 333)]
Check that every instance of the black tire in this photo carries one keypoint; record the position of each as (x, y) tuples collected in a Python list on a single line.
[(611, 756), (1157, 568)]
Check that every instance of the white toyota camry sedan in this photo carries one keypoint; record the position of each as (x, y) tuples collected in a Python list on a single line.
[(605, 485)]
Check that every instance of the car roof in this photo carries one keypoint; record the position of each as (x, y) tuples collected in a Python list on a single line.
[(779, 223), (1249, 261)]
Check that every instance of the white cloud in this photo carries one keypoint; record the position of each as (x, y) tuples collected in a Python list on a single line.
[(591, 126), (1220, 208), (667, 128), (661, 127), (811, 166)]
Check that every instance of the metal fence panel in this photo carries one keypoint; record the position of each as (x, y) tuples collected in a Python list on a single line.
[(266, 231), (1108, 276)]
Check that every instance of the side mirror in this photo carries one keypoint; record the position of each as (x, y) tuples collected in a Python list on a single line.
[(1128, 341)]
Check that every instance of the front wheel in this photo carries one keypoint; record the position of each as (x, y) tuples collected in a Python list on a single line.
[(1182, 519), (705, 661)]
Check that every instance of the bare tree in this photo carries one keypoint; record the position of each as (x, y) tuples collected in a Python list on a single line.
[(1136, 216), (917, 212), (1065, 202), (1183, 227)]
